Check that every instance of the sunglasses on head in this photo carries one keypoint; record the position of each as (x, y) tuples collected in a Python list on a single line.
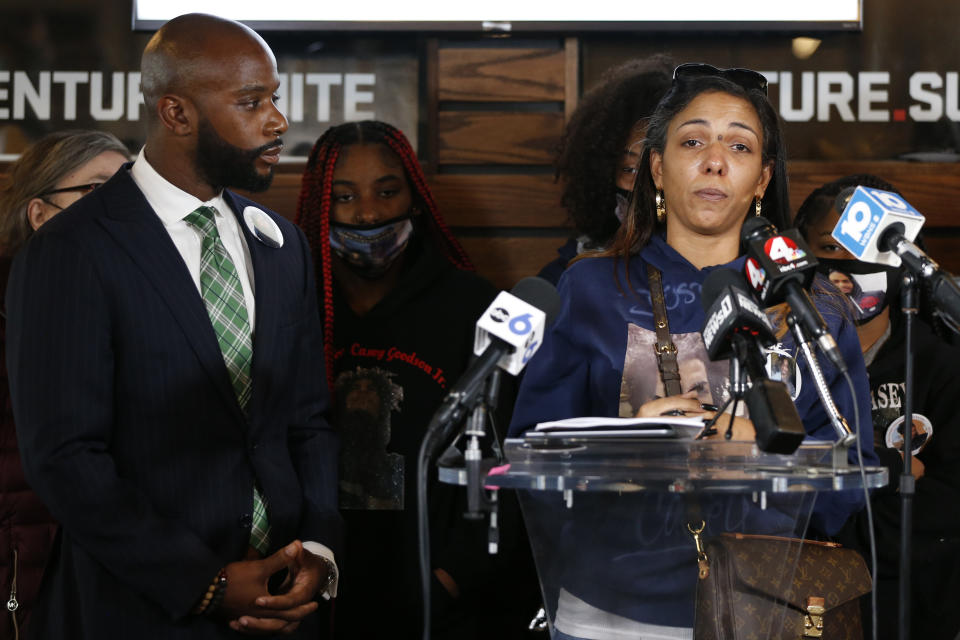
[(82, 188), (746, 78)]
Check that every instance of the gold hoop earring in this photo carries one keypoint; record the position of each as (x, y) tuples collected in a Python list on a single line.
[(661, 206), (757, 206)]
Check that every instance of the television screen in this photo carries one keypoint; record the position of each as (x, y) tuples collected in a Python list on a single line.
[(513, 16)]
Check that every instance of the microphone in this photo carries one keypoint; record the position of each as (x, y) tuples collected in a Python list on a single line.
[(736, 327), (507, 335), (879, 226), (869, 220), (514, 323), (730, 309), (780, 268)]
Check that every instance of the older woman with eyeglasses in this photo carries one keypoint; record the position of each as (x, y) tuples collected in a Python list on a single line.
[(713, 157), (52, 174)]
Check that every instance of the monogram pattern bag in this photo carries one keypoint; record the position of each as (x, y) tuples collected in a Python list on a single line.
[(754, 587)]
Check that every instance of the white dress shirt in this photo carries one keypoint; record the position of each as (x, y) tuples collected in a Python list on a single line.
[(172, 205)]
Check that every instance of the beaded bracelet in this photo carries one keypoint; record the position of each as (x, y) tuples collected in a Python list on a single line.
[(217, 599), (214, 596)]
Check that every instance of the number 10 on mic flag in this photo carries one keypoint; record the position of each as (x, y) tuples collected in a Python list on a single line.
[(869, 213), (515, 322)]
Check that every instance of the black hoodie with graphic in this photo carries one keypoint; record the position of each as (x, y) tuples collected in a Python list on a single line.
[(392, 368), (936, 505)]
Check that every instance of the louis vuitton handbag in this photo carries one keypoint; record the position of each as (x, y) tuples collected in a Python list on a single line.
[(759, 587)]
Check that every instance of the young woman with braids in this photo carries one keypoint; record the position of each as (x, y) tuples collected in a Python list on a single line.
[(713, 155), (936, 441), (399, 299), (598, 154)]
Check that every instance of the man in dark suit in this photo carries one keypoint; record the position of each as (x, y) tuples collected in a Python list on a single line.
[(167, 373)]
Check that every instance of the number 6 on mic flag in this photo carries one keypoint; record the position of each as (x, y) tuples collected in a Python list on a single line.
[(517, 323)]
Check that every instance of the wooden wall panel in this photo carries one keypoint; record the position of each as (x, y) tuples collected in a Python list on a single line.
[(499, 200), (944, 249), (282, 196), (932, 188), (466, 137), (427, 145), (534, 200), (513, 200), (500, 75), (519, 200), (571, 50), (502, 202), (503, 261)]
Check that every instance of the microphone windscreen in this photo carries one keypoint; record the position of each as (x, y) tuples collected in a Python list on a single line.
[(539, 293), (716, 282), (843, 198), (751, 225)]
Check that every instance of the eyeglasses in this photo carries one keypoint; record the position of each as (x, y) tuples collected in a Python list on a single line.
[(83, 189), (746, 78)]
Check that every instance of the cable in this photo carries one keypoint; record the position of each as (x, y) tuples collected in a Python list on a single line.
[(435, 436), (866, 495)]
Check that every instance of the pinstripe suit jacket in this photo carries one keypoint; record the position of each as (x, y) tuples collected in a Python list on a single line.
[(129, 428)]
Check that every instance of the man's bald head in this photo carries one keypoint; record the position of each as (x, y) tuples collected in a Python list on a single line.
[(190, 51)]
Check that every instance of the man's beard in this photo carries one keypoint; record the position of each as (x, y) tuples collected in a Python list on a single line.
[(222, 164)]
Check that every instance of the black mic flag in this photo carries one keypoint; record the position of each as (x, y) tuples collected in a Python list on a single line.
[(736, 327)]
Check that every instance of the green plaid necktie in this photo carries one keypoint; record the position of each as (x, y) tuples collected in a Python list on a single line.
[(223, 298)]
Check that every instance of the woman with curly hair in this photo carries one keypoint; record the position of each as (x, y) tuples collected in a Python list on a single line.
[(399, 300), (599, 151)]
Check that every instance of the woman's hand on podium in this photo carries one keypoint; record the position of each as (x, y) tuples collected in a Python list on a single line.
[(685, 404)]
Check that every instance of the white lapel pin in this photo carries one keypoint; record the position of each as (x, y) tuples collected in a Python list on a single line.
[(263, 227)]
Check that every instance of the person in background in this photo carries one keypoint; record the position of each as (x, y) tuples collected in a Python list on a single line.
[(53, 173), (713, 156), (936, 444), (400, 301), (166, 372), (598, 154)]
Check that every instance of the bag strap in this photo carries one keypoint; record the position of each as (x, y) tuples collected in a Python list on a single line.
[(670, 373), (664, 348)]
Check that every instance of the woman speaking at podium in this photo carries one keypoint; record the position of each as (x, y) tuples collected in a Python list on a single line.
[(713, 156)]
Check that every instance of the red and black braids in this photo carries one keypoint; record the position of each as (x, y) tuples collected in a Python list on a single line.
[(452, 249), (313, 216), (314, 208)]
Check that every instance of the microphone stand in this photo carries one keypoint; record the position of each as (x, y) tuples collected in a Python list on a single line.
[(943, 290), (845, 436), (737, 388), (737, 378), (440, 429), (477, 503), (907, 482)]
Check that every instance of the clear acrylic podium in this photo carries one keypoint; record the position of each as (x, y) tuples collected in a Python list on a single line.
[(608, 518)]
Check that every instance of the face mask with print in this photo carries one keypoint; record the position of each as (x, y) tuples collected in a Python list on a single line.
[(869, 286), (370, 249)]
